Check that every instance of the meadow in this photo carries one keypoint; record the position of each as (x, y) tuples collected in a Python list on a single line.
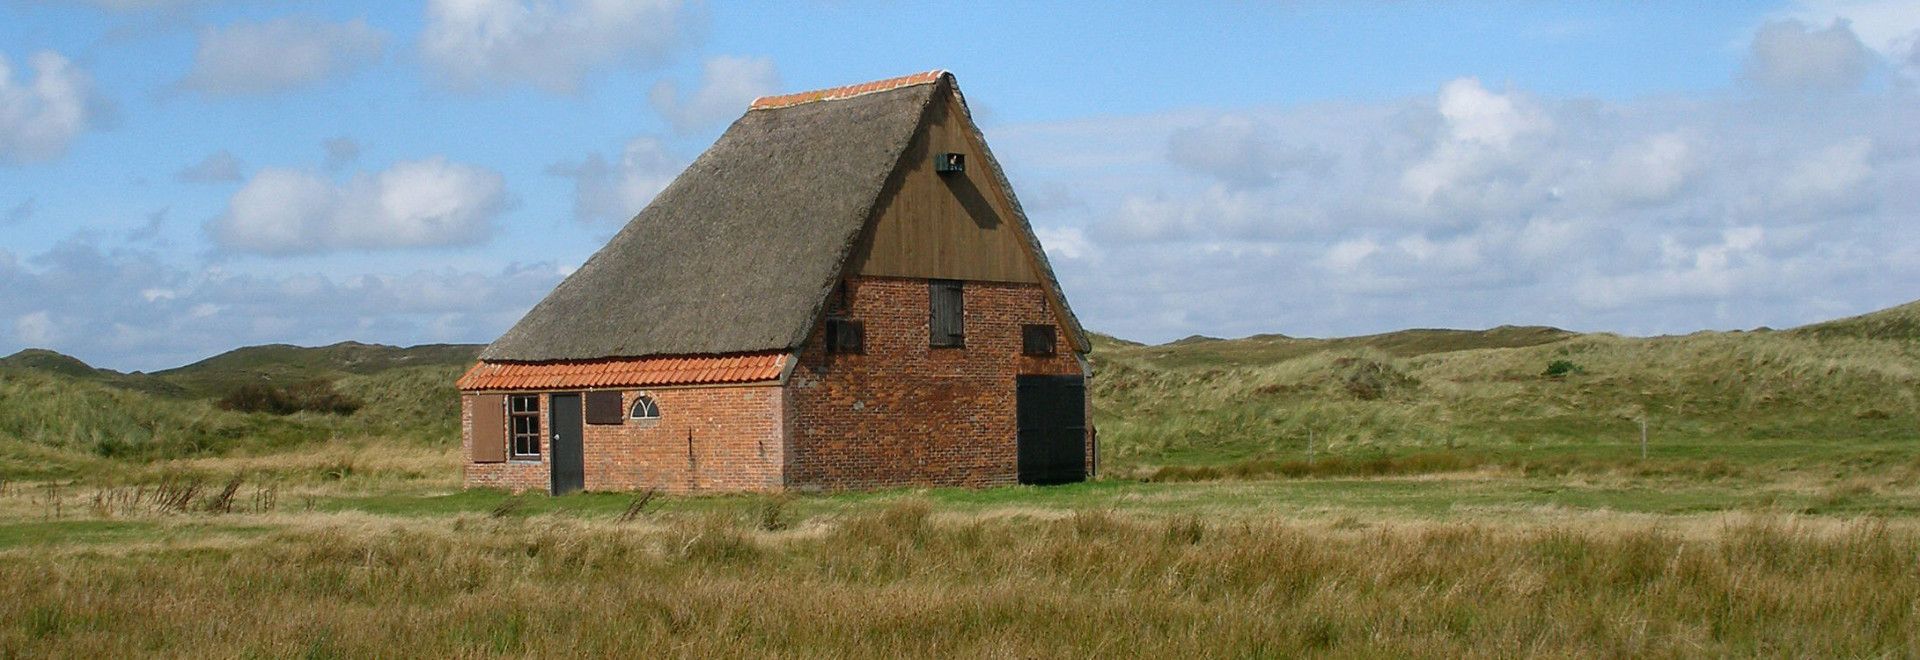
[(1423, 493)]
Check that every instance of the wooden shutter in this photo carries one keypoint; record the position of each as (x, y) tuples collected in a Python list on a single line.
[(846, 336), (604, 407), (1037, 339), (489, 428), (946, 305)]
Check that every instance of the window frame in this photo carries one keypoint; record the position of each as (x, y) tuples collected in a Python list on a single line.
[(651, 404), (536, 437)]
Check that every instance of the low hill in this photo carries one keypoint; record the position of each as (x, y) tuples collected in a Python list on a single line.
[(1899, 323), (40, 360), (285, 364), (1200, 351)]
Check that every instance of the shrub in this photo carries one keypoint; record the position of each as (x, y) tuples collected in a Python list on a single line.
[(1371, 380), (314, 395), (1562, 368)]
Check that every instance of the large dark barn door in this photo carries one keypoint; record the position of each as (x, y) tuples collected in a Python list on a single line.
[(568, 467), (1052, 412)]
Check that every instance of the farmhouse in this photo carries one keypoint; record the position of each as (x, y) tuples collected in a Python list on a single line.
[(841, 293)]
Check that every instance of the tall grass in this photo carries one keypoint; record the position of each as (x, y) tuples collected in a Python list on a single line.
[(904, 581)]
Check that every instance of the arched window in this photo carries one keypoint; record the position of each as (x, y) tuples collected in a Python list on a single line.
[(644, 408)]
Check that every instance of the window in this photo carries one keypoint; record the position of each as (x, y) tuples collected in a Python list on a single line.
[(1036, 339), (523, 414), (947, 314), (644, 408), (846, 336)]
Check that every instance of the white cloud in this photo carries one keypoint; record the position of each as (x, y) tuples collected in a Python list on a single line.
[(1483, 132), (1240, 151), (549, 44), (420, 203), (281, 54), (1791, 56), (129, 309), (34, 329), (1834, 174), (1652, 215), (604, 192), (1651, 170), (218, 167), (1066, 243), (41, 117), (1889, 27), (727, 86)]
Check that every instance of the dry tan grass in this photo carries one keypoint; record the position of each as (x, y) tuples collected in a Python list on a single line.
[(910, 580)]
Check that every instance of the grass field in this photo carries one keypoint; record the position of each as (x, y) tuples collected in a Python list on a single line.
[(1425, 493)]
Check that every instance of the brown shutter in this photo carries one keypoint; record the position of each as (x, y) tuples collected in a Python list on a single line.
[(489, 428), (946, 306), (603, 407)]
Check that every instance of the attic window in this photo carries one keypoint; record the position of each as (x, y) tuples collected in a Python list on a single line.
[(1037, 339), (949, 163), (644, 409)]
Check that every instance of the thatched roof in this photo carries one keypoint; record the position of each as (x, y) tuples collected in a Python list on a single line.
[(739, 253)]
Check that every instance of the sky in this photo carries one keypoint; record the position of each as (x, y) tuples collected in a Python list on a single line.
[(183, 177)]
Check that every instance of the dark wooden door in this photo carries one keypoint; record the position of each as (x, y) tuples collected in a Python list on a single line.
[(1052, 412), (568, 468)]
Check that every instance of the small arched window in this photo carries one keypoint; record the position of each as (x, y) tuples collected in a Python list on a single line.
[(644, 408)]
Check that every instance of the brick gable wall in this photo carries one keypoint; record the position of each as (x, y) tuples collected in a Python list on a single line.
[(907, 414)]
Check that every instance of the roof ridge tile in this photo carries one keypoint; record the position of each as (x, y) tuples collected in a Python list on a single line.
[(845, 91)]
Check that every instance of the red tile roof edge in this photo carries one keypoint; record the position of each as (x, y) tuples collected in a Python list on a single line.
[(659, 371), (846, 91)]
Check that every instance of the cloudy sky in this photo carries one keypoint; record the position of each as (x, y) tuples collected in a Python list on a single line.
[(181, 177)]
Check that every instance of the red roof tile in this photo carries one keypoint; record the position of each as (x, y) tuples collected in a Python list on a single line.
[(626, 372), (846, 91)]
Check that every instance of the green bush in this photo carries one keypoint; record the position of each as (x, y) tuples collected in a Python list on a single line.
[(1561, 368), (316, 396)]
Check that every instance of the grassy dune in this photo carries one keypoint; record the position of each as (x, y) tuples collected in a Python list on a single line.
[(1768, 397), (1465, 493)]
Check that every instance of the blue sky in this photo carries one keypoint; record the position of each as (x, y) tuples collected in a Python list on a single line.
[(180, 177)]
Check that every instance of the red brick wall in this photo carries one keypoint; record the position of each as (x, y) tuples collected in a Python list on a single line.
[(514, 475), (902, 414), (734, 433), (905, 413)]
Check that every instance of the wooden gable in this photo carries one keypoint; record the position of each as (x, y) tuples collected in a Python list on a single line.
[(954, 225)]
